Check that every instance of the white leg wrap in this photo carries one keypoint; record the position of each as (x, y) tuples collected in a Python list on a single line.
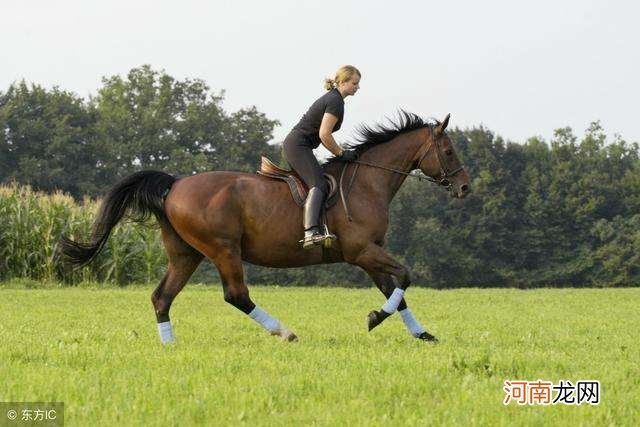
[(272, 325), (414, 327), (166, 333), (394, 300)]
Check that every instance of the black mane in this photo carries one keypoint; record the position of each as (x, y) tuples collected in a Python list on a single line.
[(370, 136)]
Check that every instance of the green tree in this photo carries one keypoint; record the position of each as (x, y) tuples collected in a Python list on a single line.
[(47, 139), (149, 120)]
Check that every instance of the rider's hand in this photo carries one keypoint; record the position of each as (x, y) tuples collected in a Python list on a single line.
[(349, 155)]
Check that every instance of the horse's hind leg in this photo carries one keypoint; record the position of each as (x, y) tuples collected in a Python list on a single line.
[(183, 260), (225, 254), (386, 284)]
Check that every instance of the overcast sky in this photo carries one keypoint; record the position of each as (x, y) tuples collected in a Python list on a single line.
[(520, 68)]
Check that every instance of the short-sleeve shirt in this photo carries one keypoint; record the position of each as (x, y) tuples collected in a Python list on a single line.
[(309, 124)]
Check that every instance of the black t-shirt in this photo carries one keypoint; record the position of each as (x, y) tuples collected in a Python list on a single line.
[(309, 124)]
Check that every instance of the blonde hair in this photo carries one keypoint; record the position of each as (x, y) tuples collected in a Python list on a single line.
[(344, 74)]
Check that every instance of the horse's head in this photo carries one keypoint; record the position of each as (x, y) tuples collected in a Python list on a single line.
[(437, 159)]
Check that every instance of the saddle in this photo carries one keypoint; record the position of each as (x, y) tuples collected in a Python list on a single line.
[(298, 188)]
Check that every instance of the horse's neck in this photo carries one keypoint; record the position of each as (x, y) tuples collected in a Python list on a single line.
[(397, 154)]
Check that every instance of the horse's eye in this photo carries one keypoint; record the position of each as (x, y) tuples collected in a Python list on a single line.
[(448, 151)]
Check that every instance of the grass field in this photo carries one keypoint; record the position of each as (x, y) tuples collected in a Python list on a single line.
[(98, 351)]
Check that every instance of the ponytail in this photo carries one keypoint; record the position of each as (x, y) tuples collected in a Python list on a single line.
[(329, 84)]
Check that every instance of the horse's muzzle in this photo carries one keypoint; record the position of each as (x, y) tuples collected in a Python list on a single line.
[(460, 192)]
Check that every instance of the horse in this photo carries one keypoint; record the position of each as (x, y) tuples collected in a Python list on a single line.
[(231, 217)]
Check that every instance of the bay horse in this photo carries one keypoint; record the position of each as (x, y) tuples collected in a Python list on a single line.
[(230, 217)]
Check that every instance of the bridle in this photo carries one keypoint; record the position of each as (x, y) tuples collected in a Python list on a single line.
[(444, 173), (443, 179)]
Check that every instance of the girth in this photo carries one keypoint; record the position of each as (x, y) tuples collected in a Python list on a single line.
[(298, 188)]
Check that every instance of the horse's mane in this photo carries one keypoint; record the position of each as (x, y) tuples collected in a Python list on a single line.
[(370, 136)]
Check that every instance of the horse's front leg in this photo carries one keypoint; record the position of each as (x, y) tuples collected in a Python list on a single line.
[(386, 284), (375, 260)]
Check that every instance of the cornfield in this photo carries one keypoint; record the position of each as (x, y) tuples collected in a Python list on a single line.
[(31, 224)]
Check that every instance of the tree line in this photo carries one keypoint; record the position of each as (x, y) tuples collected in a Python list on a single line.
[(563, 212)]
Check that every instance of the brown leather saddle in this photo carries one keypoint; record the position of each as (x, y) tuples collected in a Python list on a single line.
[(298, 188)]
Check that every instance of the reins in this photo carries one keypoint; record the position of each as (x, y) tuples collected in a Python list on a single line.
[(373, 165), (357, 163), (444, 173)]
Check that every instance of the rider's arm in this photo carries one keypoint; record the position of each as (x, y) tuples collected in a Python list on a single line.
[(326, 128)]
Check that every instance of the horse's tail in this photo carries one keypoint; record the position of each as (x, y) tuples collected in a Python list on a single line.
[(141, 193)]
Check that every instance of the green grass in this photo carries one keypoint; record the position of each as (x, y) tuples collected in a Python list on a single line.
[(98, 351)]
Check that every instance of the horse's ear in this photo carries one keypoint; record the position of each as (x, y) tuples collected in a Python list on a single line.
[(443, 125), (445, 122)]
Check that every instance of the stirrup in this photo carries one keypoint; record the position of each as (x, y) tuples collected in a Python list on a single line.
[(329, 237), (318, 238), (313, 240)]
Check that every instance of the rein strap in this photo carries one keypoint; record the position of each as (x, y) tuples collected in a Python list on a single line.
[(444, 173)]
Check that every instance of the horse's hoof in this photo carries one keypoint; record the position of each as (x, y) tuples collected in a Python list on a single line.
[(426, 336), (289, 336), (374, 318)]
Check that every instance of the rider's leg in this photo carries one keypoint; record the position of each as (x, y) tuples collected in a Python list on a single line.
[(311, 217), (302, 160)]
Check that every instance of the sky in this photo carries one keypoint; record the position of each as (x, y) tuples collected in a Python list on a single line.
[(521, 69)]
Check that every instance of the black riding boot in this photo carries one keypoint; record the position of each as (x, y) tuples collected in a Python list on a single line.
[(312, 208)]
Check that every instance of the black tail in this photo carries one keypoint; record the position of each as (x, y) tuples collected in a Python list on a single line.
[(141, 193)]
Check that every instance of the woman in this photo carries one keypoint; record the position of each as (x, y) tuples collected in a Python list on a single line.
[(314, 128)]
